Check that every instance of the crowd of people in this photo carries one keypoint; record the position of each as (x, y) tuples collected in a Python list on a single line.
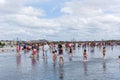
[(57, 49)]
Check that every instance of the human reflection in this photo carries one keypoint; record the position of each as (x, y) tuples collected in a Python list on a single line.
[(18, 61), (85, 68), (70, 57), (112, 48), (78, 49), (119, 67), (61, 71), (54, 68), (104, 65), (45, 60), (92, 51), (33, 61), (38, 58), (18, 53), (119, 62)]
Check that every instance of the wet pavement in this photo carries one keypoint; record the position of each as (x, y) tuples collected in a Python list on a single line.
[(22, 67)]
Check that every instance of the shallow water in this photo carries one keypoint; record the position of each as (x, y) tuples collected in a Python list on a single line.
[(22, 67)]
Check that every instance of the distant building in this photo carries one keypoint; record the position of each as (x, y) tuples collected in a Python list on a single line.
[(8, 42)]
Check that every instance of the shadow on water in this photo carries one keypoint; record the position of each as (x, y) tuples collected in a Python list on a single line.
[(85, 68), (61, 71)]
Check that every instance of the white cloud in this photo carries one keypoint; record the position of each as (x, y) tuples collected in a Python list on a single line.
[(77, 8), (92, 18), (32, 11), (33, 21), (31, 26), (2, 2), (78, 19), (36, 1)]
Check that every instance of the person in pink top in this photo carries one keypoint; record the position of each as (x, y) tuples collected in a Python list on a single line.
[(18, 48), (34, 53)]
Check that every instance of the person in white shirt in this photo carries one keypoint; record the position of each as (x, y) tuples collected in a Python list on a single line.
[(45, 49)]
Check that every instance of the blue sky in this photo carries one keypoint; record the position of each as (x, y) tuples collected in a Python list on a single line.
[(60, 19)]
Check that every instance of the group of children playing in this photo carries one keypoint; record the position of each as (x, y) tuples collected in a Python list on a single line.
[(85, 54), (71, 52), (45, 49), (58, 52)]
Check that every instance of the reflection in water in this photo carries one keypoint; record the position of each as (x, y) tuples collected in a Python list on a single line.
[(45, 60), (32, 70), (70, 57), (33, 60), (18, 61), (104, 65), (92, 51), (37, 58), (18, 53), (112, 48), (54, 68), (61, 71), (85, 68), (119, 65)]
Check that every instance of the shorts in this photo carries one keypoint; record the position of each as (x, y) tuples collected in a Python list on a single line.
[(45, 52), (85, 56), (104, 54), (60, 56)]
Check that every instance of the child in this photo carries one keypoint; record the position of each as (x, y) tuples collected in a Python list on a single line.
[(60, 50), (54, 56), (104, 50), (70, 51), (84, 55), (34, 53)]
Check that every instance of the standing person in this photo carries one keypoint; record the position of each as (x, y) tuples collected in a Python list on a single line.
[(104, 51), (37, 48), (34, 53), (60, 52), (54, 56), (85, 55), (24, 47), (18, 48), (70, 51), (45, 50)]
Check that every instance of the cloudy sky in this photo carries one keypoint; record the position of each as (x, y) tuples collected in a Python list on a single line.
[(60, 19)]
